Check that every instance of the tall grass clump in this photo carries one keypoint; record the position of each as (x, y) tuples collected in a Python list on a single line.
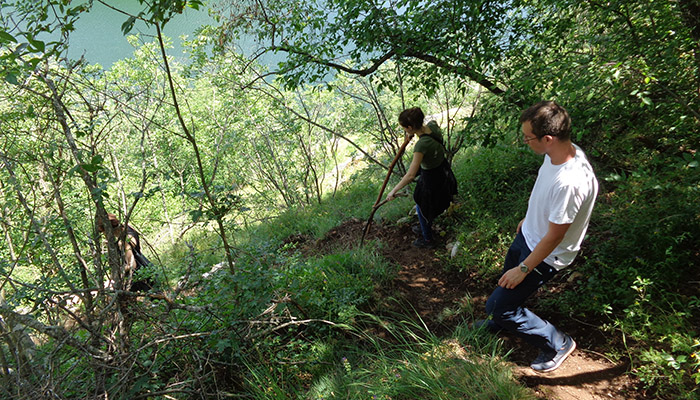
[(399, 359)]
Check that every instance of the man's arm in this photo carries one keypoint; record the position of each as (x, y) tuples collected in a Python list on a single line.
[(129, 259), (550, 241)]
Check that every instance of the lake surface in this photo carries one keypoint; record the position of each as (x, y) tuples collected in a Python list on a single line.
[(99, 38)]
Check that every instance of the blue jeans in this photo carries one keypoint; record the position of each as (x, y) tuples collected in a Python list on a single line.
[(506, 305), (425, 225)]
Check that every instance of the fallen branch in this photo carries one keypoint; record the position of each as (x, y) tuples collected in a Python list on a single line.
[(286, 324), (56, 332)]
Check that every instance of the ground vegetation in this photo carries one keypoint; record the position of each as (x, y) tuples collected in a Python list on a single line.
[(250, 184)]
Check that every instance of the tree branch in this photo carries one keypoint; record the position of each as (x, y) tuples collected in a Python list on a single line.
[(460, 70), (55, 332), (362, 72)]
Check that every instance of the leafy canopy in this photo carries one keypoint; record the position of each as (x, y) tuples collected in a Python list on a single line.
[(429, 38)]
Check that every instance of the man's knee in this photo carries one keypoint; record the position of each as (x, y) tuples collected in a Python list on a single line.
[(494, 307), (499, 312), (490, 305)]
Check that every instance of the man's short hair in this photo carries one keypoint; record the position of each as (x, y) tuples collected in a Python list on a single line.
[(548, 118)]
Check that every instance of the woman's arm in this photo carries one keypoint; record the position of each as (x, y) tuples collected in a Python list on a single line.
[(408, 178)]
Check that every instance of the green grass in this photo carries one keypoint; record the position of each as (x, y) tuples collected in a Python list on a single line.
[(369, 356), (354, 199), (409, 362), (398, 359), (494, 185)]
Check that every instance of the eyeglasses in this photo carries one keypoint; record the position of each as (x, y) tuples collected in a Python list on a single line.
[(527, 139)]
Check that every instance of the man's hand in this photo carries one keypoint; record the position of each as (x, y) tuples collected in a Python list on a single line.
[(512, 278)]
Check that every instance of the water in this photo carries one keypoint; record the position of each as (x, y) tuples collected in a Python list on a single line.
[(99, 38)]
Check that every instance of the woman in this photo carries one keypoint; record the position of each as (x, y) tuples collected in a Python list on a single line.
[(436, 184)]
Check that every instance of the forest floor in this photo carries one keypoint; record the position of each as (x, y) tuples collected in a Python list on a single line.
[(425, 285)]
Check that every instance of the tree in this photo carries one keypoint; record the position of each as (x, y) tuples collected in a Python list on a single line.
[(428, 39)]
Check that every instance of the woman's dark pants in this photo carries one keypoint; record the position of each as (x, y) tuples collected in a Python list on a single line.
[(425, 225)]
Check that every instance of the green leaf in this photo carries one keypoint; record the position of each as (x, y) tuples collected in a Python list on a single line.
[(37, 44), (90, 167), (33, 62), (6, 37), (221, 345), (128, 25), (194, 4), (11, 78), (94, 165), (20, 49), (196, 215)]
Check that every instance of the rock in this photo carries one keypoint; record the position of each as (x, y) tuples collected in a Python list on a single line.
[(574, 276), (453, 248), (404, 220), (216, 268)]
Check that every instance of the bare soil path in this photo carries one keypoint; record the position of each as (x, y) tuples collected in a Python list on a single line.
[(426, 286)]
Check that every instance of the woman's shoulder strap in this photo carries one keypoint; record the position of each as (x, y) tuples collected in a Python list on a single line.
[(435, 132)]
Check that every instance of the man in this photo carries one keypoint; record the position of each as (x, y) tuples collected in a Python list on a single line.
[(133, 258), (549, 236)]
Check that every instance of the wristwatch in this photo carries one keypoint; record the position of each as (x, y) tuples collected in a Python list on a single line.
[(524, 268)]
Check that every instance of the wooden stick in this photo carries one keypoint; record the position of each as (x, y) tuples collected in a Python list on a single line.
[(379, 201)]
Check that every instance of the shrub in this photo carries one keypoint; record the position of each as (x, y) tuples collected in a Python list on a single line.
[(494, 185)]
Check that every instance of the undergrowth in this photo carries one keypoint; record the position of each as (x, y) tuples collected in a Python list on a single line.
[(494, 185), (306, 334), (400, 359), (639, 284)]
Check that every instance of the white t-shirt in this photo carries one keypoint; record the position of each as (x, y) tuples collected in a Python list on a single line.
[(563, 194)]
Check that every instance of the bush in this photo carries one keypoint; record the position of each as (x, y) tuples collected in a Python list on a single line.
[(334, 285), (641, 265), (494, 185)]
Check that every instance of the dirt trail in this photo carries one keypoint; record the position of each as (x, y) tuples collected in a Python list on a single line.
[(425, 285)]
